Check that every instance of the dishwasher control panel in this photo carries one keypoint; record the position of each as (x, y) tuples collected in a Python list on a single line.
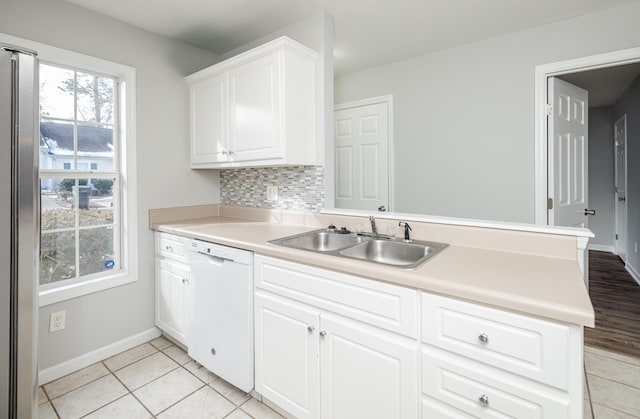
[(222, 252)]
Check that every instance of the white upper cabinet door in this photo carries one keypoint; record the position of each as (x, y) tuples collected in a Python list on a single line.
[(254, 110), (208, 106), (366, 372)]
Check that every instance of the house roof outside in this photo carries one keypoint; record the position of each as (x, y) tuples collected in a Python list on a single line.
[(92, 141)]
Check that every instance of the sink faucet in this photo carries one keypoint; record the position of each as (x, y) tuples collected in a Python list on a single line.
[(374, 229)]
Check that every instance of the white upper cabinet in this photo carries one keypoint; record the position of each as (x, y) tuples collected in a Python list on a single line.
[(255, 109)]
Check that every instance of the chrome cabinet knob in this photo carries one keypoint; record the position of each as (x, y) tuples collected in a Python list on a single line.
[(484, 400), (484, 338), (311, 328), (589, 212), (323, 333), (169, 248)]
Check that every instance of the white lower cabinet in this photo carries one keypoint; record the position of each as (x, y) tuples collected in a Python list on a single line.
[(172, 285), (477, 390), (172, 295), (286, 344), (315, 364), (331, 345), (366, 372)]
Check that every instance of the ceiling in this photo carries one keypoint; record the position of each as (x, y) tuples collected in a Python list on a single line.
[(605, 85), (367, 32)]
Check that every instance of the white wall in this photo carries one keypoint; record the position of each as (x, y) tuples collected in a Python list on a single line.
[(629, 103), (164, 179), (464, 117), (601, 176)]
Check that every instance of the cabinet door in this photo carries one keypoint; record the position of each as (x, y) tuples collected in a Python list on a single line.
[(209, 133), (254, 110), (172, 285), (287, 370), (366, 372)]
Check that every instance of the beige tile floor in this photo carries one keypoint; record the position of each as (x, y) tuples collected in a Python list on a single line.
[(159, 380), (612, 384), (154, 380)]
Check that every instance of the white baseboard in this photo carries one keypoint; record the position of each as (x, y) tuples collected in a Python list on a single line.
[(60, 370), (601, 248), (634, 274)]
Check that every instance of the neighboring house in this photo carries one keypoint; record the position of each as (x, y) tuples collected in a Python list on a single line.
[(95, 149)]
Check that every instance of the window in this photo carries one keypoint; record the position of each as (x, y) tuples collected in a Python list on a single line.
[(87, 174), (80, 215)]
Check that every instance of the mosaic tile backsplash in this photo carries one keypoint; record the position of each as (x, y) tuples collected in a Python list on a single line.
[(299, 187)]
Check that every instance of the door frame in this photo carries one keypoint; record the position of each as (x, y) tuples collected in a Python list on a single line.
[(388, 99), (626, 190), (542, 73)]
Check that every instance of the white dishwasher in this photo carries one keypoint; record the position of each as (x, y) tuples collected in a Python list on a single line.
[(220, 332)]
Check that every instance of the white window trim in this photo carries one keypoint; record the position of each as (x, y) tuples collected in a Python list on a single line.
[(129, 214)]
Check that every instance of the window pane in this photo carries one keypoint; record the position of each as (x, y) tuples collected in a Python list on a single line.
[(96, 202), (56, 92), (95, 143), (95, 99), (58, 254), (56, 204), (56, 148), (96, 250)]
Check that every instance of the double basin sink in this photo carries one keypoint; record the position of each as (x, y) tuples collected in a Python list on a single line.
[(388, 251)]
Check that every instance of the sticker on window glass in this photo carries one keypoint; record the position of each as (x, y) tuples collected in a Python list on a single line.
[(109, 264)]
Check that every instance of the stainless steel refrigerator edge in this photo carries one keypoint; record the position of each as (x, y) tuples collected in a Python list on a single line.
[(19, 236)]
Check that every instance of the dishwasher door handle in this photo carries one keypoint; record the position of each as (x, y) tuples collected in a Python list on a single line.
[(215, 260)]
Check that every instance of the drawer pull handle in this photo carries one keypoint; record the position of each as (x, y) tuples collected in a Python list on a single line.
[(311, 328), (169, 248), (323, 333), (484, 399), (484, 338)]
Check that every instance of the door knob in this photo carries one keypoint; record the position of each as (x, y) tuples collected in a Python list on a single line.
[(382, 208), (589, 212)]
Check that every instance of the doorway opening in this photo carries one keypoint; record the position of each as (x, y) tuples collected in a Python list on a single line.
[(613, 84)]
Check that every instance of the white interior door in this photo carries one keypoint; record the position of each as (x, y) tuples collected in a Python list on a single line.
[(568, 154), (620, 141), (362, 157)]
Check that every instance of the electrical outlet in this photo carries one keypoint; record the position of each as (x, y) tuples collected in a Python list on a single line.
[(57, 321), (272, 193)]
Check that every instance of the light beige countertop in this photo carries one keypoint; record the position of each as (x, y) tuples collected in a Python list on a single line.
[(527, 283)]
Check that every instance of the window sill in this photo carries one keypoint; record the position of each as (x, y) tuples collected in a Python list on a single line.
[(63, 293)]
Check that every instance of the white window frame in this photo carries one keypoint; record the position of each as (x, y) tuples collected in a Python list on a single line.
[(127, 135)]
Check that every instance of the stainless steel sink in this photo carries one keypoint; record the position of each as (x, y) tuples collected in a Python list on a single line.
[(320, 241), (394, 252)]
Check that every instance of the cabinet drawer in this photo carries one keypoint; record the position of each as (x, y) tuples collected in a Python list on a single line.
[(526, 346), (384, 305), (482, 391), (172, 247)]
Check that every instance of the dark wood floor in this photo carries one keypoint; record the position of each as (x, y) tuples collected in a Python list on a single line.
[(616, 301)]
